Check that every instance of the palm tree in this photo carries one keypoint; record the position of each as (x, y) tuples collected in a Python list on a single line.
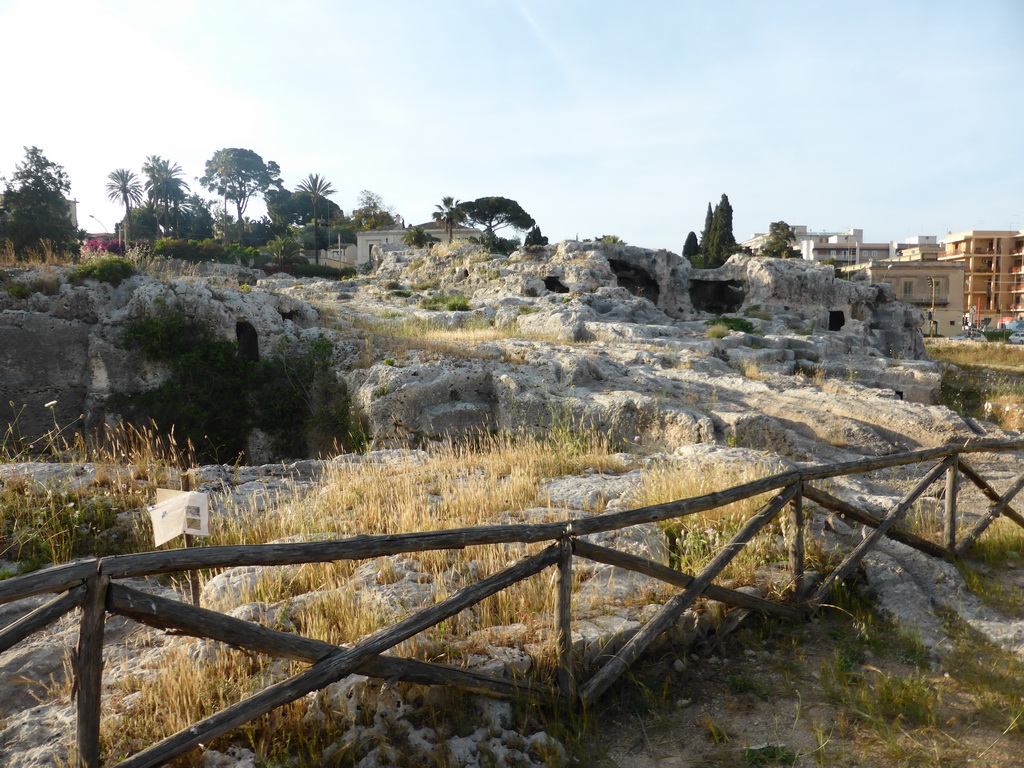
[(418, 237), (124, 187), (164, 186), (449, 214), (285, 251), (317, 187)]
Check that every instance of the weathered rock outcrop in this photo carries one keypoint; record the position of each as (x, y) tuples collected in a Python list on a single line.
[(615, 338), (799, 293), (602, 336), (67, 345)]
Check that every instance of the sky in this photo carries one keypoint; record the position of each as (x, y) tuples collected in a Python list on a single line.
[(899, 118)]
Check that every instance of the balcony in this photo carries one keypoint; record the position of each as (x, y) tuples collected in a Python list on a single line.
[(925, 299)]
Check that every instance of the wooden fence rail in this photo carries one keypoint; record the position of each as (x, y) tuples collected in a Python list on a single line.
[(91, 585)]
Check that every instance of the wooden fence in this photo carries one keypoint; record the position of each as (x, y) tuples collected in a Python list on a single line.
[(92, 586)]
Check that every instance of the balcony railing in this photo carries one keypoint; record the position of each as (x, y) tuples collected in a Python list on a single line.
[(926, 299)]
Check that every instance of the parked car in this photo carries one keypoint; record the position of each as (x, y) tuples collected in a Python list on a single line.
[(969, 336), (1015, 338)]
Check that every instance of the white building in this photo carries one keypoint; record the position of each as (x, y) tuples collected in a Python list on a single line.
[(368, 238), (841, 248)]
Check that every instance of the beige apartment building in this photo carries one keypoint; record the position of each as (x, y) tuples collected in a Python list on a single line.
[(993, 262), (918, 276)]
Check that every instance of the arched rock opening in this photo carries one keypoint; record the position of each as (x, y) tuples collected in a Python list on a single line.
[(636, 280), (717, 296), (248, 341), (555, 285)]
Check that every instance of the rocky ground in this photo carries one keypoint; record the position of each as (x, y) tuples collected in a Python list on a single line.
[(605, 338)]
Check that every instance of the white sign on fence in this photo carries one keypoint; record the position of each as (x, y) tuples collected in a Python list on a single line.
[(178, 512)]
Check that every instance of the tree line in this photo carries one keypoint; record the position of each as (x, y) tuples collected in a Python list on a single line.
[(160, 205), (717, 242)]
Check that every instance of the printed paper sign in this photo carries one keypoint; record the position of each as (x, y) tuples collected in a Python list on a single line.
[(178, 512)]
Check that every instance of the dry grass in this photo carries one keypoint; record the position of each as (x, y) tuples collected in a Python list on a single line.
[(751, 370), (999, 549), (144, 448), (964, 353), (452, 486), (444, 250), (695, 539), (147, 263), (1007, 410), (43, 255), (393, 338), (412, 328), (161, 702), (43, 525)]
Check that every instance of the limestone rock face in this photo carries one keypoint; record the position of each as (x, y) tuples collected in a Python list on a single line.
[(787, 285), (615, 338), (599, 336), (69, 346)]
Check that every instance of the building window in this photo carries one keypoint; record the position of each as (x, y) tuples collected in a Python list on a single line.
[(833, 252), (908, 287)]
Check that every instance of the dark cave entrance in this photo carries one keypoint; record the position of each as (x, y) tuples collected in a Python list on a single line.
[(248, 341), (555, 285), (636, 280), (717, 296), (836, 320)]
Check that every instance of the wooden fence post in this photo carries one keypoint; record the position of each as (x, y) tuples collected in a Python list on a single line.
[(796, 543), (997, 509), (852, 560), (563, 609), (670, 612), (193, 578), (89, 671), (952, 482)]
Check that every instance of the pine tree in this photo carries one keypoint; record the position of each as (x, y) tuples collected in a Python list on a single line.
[(779, 244), (724, 238), (534, 237), (717, 242), (34, 211), (691, 249), (706, 236)]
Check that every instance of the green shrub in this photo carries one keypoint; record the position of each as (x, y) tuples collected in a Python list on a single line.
[(18, 291), (200, 250), (174, 248), (733, 324), (214, 398), (106, 269), (209, 250), (322, 270), (241, 254), (448, 301)]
